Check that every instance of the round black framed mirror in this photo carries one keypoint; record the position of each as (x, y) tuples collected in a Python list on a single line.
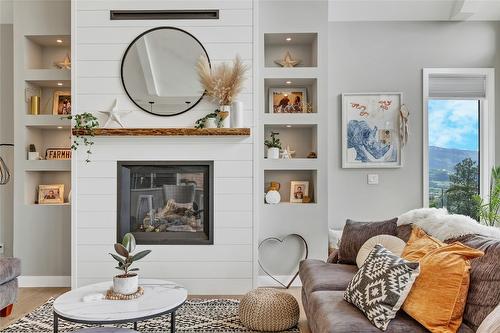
[(158, 71)]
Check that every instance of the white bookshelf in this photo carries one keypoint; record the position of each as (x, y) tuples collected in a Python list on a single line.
[(303, 132), (40, 41)]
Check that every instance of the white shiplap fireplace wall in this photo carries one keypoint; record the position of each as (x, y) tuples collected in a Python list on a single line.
[(223, 268)]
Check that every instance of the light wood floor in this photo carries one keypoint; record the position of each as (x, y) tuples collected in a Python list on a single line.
[(31, 298)]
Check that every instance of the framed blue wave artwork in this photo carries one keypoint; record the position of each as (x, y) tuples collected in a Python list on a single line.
[(370, 130)]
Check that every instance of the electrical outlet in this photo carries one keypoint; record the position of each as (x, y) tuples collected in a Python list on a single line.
[(372, 179)]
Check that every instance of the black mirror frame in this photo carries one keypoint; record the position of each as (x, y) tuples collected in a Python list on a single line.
[(125, 56)]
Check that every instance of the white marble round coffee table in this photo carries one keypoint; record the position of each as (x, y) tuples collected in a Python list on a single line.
[(160, 297)]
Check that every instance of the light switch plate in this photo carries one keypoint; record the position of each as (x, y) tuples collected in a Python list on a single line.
[(372, 179)]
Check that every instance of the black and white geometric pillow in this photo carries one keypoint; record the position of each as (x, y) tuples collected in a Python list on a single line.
[(381, 285)]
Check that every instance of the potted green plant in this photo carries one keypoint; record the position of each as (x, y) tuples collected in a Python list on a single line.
[(489, 210), (273, 145), (209, 121), (84, 124), (128, 282)]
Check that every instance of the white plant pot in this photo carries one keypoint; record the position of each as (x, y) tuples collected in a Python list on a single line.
[(273, 153), (210, 123), (237, 114), (126, 285), (273, 197)]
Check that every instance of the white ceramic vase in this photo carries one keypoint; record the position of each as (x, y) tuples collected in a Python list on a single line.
[(273, 197), (237, 114), (210, 123), (273, 153), (126, 285), (226, 122)]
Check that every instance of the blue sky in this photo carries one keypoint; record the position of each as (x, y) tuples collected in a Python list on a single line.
[(453, 124)]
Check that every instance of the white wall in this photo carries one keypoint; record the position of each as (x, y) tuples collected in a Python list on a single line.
[(389, 56), (6, 135), (223, 268)]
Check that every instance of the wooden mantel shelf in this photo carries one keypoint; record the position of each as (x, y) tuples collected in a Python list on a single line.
[(165, 132)]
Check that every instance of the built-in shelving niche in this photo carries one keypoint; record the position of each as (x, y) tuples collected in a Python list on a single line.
[(46, 137), (45, 89), (42, 52), (285, 83), (300, 138), (285, 177), (303, 46), (34, 178)]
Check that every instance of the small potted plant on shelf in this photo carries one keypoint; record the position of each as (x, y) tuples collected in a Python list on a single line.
[(209, 121), (273, 145), (127, 283)]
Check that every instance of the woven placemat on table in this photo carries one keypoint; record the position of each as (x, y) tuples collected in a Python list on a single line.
[(111, 295)]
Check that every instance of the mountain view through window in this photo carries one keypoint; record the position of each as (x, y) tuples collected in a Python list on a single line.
[(454, 155)]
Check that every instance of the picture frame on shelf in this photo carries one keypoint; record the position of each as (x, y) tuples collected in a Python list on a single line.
[(61, 104), (370, 130), (287, 100), (51, 194), (298, 190)]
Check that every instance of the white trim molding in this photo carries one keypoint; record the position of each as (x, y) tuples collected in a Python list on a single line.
[(486, 121), (44, 281)]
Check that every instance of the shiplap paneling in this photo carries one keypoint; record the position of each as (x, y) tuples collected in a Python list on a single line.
[(197, 286), (114, 52), (223, 236), (223, 268), (120, 35), (217, 252)]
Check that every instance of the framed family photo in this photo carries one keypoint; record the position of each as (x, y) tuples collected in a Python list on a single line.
[(287, 100), (370, 130), (50, 194), (298, 190), (62, 103)]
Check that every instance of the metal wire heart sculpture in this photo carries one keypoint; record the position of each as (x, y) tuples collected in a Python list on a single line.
[(281, 240)]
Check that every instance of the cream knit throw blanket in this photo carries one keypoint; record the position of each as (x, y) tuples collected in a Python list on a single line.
[(438, 223)]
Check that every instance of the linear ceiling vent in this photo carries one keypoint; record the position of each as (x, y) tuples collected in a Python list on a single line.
[(197, 14)]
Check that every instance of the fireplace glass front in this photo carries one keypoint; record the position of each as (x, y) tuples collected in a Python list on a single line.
[(166, 202)]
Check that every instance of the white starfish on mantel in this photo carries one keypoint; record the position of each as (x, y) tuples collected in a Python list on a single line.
[(114, 115)]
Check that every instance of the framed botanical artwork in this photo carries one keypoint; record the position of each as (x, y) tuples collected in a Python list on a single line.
[(51, 194), (370, 130), (287, 100), (61, 103), (298, 190)]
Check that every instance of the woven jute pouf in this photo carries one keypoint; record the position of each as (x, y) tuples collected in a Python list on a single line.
[(269, 310)]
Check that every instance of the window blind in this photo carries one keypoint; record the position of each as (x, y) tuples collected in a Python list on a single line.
[(465, 86)]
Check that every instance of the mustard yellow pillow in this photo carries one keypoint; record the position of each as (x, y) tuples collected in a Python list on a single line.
[(437, 299), (419, 245)]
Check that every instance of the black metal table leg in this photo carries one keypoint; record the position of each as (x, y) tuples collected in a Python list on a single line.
[(172, 322), (56, 323)]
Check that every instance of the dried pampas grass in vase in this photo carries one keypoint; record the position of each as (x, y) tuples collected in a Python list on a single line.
[(222, 83)]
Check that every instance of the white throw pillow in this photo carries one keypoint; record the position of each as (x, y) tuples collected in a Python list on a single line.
[(491, 324), (391, 243)]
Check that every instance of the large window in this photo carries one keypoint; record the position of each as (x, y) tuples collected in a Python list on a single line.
[(458, 137), (454, 143)]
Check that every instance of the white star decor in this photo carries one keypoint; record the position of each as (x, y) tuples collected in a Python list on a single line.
[(287, 61), (65, 64), (114, 115)]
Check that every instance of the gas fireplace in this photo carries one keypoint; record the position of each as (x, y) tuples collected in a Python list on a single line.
[(166, 202)]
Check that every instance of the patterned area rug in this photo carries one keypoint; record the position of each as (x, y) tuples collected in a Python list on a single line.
[(195, 316)]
